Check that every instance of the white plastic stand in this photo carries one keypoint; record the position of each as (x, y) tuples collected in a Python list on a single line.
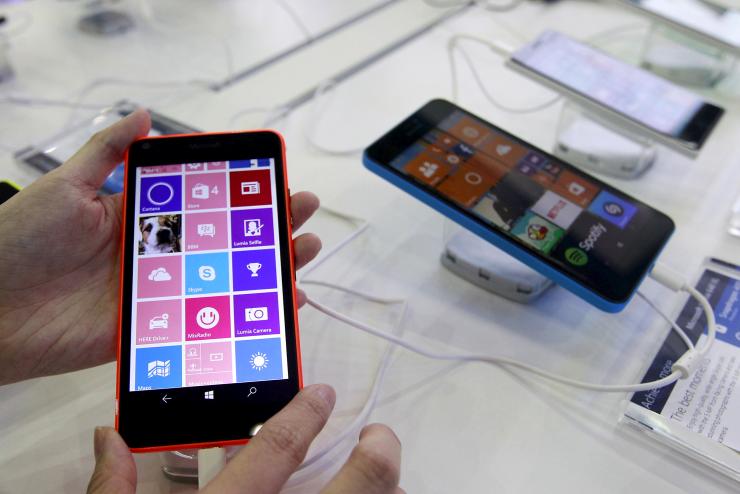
[(475, 260), (591, 142), (685, 59), (105, 20), (193, 466)]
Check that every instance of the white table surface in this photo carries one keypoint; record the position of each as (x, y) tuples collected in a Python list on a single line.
[(465, 428)]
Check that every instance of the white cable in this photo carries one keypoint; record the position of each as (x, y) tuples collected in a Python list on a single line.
[(678, 329), (316, 462), (82, 94), (25, 101), (318, 110), (296, 19), (682, 368), (499, 48)]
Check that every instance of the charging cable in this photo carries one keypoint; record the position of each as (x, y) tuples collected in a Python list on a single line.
[(497, 47), (681, 369)]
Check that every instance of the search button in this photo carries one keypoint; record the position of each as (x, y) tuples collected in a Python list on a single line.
[(252, 391)]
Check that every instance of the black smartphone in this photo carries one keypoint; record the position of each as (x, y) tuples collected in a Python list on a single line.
[(629, 95), (585, 235), (7, 190), (209, 344)]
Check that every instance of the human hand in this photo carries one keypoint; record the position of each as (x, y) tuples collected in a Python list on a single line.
[(265, 464), (59, 261)]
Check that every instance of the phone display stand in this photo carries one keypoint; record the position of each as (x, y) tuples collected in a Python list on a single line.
[(685, 59), (181, 466), (475, 260), (104, 20), (591, 142)]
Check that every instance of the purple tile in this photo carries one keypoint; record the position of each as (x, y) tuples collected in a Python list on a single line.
[(160, 194), (254, 270), (252, 228), (256, 314)]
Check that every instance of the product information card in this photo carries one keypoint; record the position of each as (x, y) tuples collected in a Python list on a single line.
[(708, 403)]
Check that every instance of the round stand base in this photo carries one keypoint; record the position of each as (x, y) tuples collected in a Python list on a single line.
[(106, 23)]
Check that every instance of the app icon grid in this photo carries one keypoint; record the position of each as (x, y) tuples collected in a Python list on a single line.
[(220, 304)]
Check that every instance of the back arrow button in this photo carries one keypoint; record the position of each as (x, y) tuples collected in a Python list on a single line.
[(165, 399)]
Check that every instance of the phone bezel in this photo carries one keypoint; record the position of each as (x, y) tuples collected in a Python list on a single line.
[(143, 418), (379, 155), (688, 141)]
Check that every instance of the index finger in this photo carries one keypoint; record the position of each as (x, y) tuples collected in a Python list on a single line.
[(265, 464), (302, 206)]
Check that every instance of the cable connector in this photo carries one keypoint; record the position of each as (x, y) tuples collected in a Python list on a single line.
[(687, 363), (668, 277)]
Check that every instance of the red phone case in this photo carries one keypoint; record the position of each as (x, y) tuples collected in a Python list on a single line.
[(289, 222)]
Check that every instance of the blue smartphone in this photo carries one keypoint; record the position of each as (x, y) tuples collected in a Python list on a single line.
[(585, 235)]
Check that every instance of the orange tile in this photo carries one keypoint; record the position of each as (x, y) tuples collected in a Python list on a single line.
[(503, 149), (469, 130), (428, 169), (575, 188), (466, 185)]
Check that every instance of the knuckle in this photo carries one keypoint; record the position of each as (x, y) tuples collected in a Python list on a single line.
[(103, 140), (377, 468), (316, 407), (285, 441)]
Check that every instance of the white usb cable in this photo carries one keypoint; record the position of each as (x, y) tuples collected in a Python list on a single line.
[(685, 365)]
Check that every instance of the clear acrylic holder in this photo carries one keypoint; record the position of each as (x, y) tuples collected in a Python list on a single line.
[(590, 141), (480, 263), (685, 59)]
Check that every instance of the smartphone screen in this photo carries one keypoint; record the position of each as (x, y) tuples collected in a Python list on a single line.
[(209, 323), (638, 95), (715, 20), (585, 234)]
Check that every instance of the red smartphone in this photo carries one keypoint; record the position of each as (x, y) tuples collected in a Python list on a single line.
[(208, 339)]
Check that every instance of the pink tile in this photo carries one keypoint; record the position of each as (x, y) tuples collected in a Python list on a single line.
[(159, 276), (153, 170), (206, 231), (217, 166), (208, 357), (158, 322), (207, 318), (209, 379), (205, 191)]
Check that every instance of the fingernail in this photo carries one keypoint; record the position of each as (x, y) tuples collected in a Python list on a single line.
[(99, 442), (325, 391)]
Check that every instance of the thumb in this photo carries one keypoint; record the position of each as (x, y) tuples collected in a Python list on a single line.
[(115, 470), (92, 164)]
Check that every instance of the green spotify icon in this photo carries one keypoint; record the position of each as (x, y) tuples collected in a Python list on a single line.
[(576, 256)]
